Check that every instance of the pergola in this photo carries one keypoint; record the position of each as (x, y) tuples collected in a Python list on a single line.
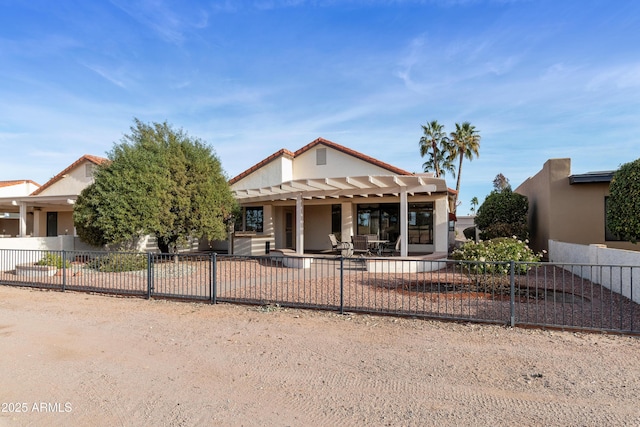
[(369, 186)]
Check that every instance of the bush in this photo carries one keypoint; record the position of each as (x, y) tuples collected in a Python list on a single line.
[(53, 259), (623, 205), (470, 233), (503, 214), (114, 263), (492, 256)]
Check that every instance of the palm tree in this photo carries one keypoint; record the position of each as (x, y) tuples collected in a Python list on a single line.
[(436, 143), (474, 203), (465, 142)]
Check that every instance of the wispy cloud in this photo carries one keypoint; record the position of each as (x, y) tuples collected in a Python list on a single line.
[(169, 24)]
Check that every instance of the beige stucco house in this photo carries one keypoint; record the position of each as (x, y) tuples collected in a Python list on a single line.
[(568, 207), (47, 210), (294, 200)]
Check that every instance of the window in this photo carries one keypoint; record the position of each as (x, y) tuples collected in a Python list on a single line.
[(88, 170), (421, 223), (321, 156), (253, 219), (336, 221), (380, 219)]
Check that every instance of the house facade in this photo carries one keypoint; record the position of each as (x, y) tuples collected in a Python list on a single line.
[(568, 207), (47, 210), (294, 200)]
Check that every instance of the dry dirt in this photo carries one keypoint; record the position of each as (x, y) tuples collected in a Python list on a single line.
[(73, 359)]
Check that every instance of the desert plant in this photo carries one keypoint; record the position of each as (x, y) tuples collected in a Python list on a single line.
[(54, 260), (493, 256), (119, 262)]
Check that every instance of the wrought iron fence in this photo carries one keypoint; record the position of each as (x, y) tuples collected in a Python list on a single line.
[(573, 296)]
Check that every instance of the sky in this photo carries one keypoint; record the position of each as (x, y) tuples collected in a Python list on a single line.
[(538, 79)]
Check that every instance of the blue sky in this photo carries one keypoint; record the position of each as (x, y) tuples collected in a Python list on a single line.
[(538, 79)]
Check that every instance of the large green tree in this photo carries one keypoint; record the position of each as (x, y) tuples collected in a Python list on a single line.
[(435, 144), (623, 204), (465, 143), (503, 214), (159, 181)]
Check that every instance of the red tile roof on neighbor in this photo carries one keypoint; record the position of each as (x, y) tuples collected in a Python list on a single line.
[(319, 141), (87, 157), (17, 182)]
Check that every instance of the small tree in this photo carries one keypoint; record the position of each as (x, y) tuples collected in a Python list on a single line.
[(159, 181), (500, 183), (624, 202), (503, 214)]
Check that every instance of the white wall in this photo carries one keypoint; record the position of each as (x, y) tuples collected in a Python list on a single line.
[(275, 172), (18, 190), (618, 268), (72, 183), (338, 164)]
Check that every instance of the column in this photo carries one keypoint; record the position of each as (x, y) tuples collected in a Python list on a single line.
[(404, 222), (299, 225)]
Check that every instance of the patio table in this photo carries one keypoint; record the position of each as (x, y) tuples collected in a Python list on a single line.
[(377, 245)]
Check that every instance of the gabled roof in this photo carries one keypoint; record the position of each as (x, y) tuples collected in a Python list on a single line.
[(319, 141), (17, 182), (86, 158)]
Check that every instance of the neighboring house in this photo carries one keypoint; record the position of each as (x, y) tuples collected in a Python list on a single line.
[(47, 210), (294, 200), (568, 208), (9, 216)]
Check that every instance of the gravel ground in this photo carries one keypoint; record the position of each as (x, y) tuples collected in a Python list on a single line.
[(83, 359)]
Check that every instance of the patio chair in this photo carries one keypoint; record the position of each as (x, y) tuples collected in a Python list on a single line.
[(361, 245), (345, 248), (392, 248)]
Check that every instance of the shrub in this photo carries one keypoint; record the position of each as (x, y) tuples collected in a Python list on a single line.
[(469, 233), (492, 256), (53, 259), (624, 202), (117, 262), (502, 214)]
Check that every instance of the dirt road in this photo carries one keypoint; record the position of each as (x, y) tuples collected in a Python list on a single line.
[(78, 359)]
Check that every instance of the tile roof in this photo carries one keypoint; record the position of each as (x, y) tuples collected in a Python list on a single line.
[(320, 141), (87, 157)]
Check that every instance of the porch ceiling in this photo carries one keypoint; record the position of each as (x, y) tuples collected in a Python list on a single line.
[(356, 186), (12, 204)]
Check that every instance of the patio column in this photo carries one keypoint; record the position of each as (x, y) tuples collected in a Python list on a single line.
[(36, 221), (23, 219), (346, 226), (404, 222), (299, 225)]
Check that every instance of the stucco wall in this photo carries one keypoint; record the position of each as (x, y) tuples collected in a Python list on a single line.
[(18, 190), (317, 226), (566, 212), (620, 269), (275, 172), (72, 183), (338, 164)]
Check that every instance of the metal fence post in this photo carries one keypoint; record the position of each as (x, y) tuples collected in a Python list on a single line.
[(214, 284), (64, 270), (149, 275), (512, 299), (341, 284)]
